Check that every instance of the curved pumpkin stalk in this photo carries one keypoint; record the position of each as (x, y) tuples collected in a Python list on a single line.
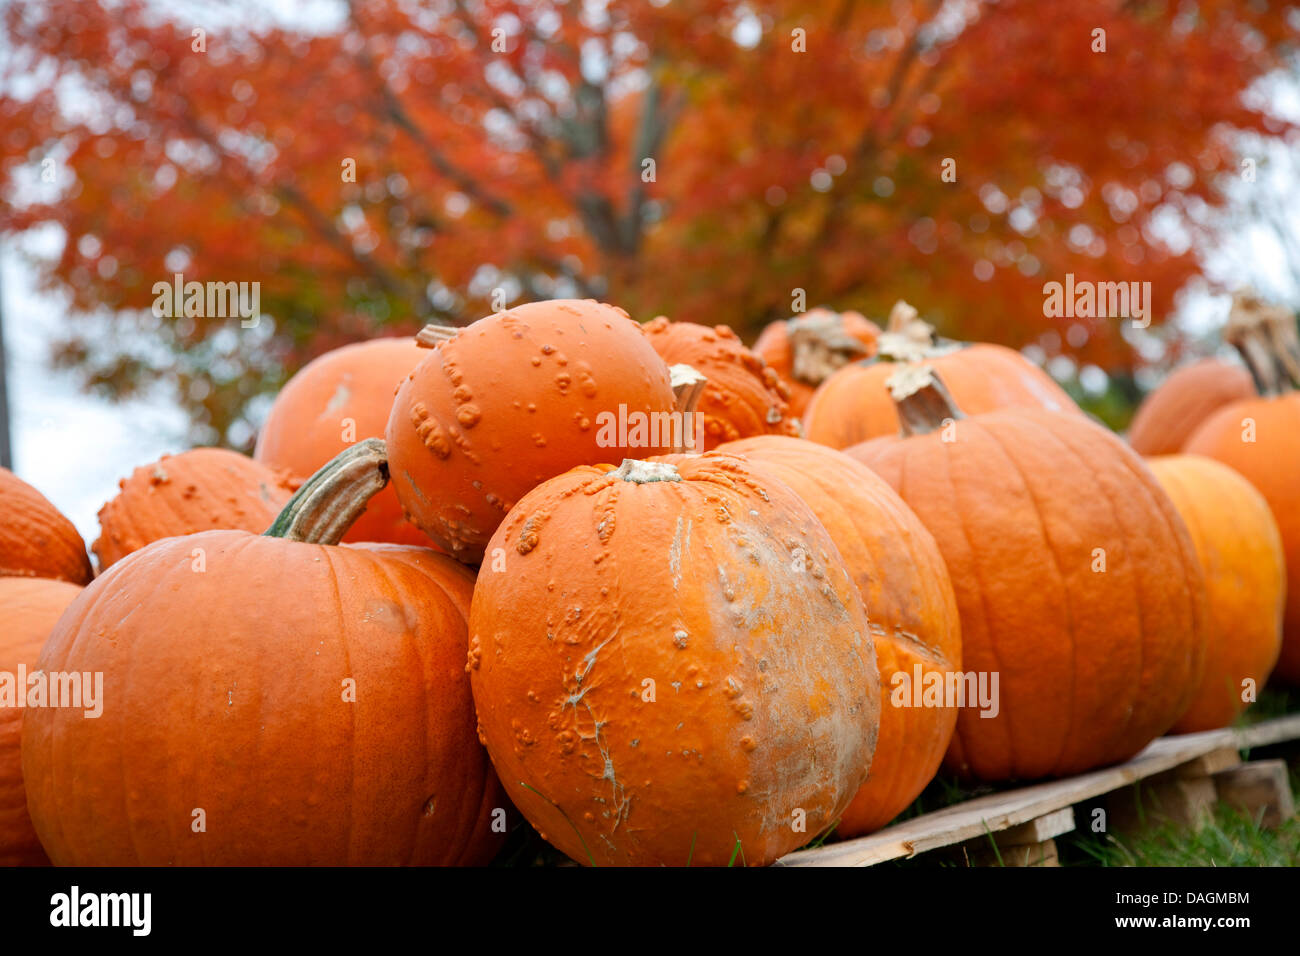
[(924, 403), (322, 510), (1268, 341)]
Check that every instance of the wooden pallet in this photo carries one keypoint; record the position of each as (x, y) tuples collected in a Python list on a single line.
[(1032, 816)]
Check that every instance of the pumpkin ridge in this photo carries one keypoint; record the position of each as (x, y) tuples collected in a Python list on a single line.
[(1142, 604), (1065, 589), (959, 514), (346, 635)]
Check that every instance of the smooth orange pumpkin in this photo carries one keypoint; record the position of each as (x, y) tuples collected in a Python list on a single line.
[(29, 608), (1077, 581), (333, 401), (742, 397), (672, 666), (1240, 550), (1168, 416), (806, 349), (1260, 438), (305, 702), (36, 540), (203, 489), (512, 400), (911, 608), (853, 404)]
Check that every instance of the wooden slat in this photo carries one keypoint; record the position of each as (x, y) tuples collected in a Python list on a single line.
[(1000, 811)]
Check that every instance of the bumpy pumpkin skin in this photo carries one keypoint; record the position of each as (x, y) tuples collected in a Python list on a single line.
[(237, 708), (346, 393), (1240, 550), (774, 347), (203, 489), (743, 397), (910, 604), (652, 672), (36, 540), (512, 400), (1024, 505), (1167, 417), (29, 608), (1271, 462), (854, 406)]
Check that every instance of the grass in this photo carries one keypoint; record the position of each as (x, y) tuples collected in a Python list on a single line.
[(1232, 838)]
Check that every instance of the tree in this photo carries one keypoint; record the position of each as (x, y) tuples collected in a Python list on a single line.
[(703, 160)]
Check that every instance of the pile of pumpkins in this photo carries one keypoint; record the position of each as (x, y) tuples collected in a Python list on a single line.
[(468, 576)]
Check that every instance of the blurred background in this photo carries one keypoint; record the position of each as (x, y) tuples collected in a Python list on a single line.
[(378, 164)]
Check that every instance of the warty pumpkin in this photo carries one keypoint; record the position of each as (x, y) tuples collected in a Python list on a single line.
[(671, 665), (853, 404), (1076, 580), (36, 540), (29, 608), (333, 401), (516, 398), (911, 609), (203, 489), (270, 699), (1168, 416), (1240, 551), (742, 397), (806, 349), (1260, 438)]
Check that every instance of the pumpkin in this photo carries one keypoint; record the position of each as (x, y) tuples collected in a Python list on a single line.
[(1076, 580), (203, 489), (1260, 438), (671, 665), (1240, 551), (29, 608), (806, 349), (36, 540), (853, 404), (514, 399), (333, 401), (272, 699), (910, 605), (1168, 416), (742, 396)]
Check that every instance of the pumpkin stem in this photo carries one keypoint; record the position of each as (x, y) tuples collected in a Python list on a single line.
[(908, 338), (322, 510), (820, 346), (923, 402), (688, 387), (429, 336), (643, 472), (1267, 338)]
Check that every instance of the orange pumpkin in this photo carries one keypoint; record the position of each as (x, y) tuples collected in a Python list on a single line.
[(806, 349), (1168, 416), (269, 699), (742, 397), (514, 399), (333, 401), (910, 605), (853, 405), (36, 540), (1240, 551), (1077, 582), (671, 665), (203, 489), (1260, 438), (29, 608)]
